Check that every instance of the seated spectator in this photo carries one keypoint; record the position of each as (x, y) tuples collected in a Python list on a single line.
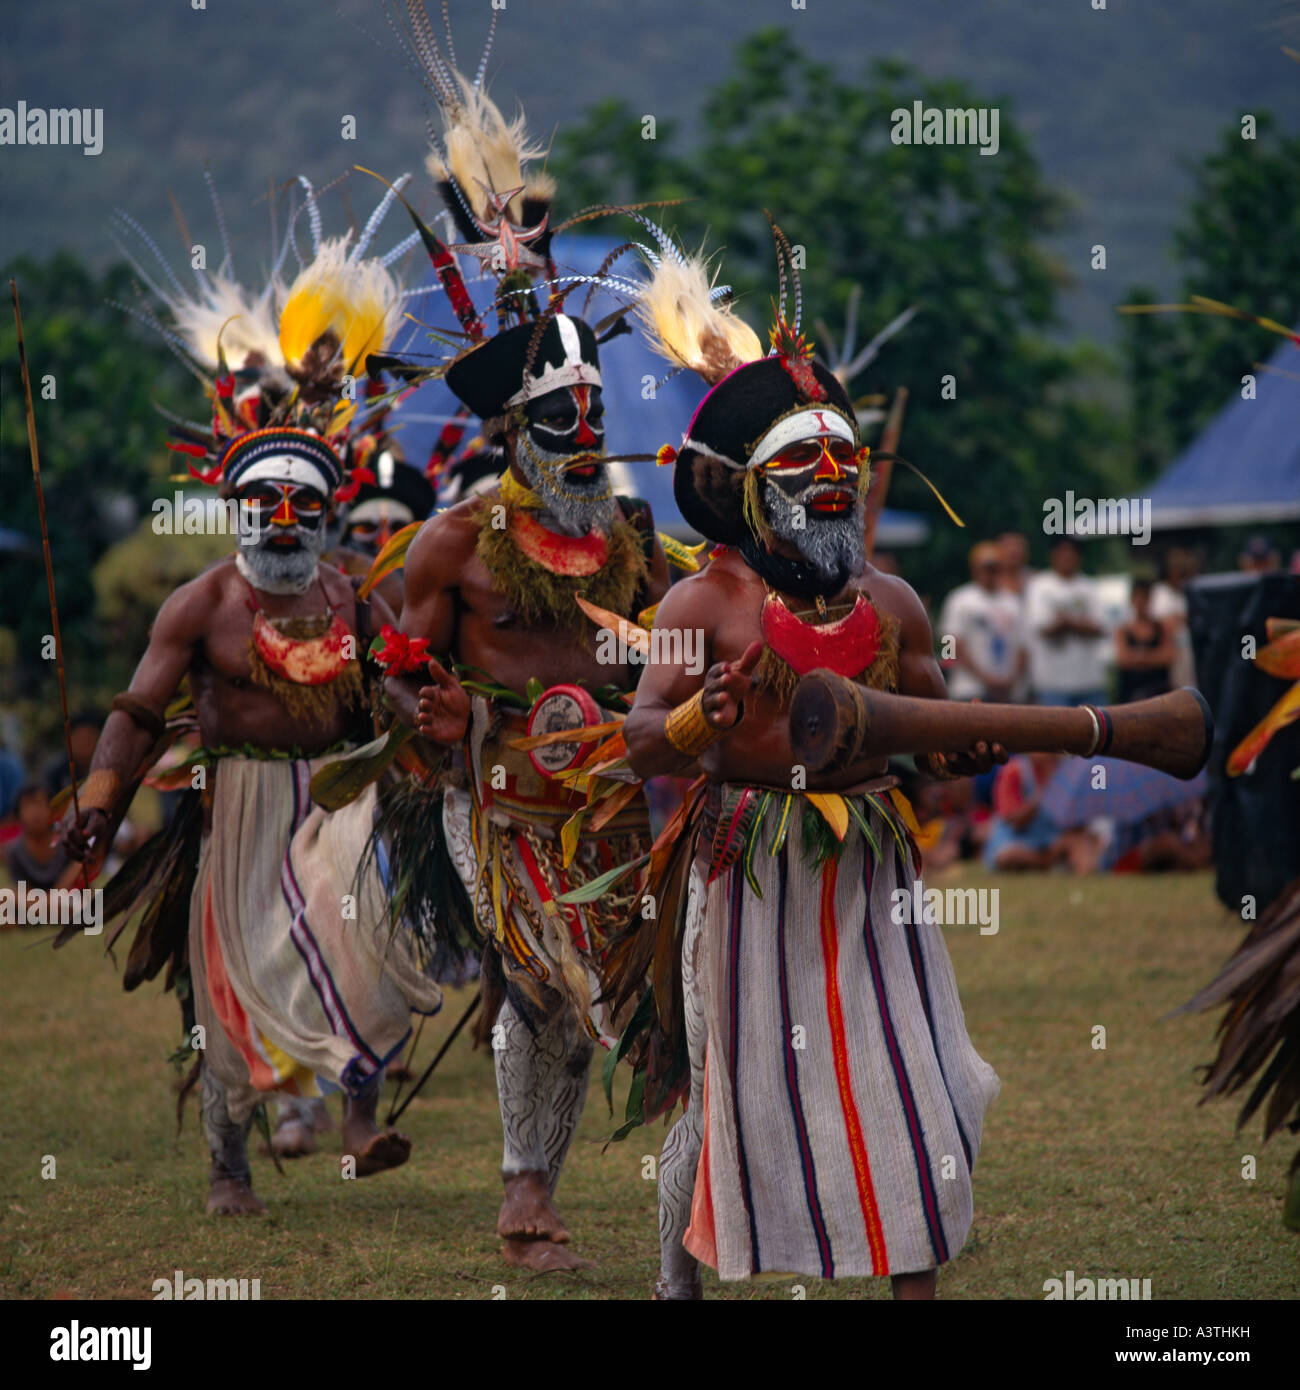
[(83, 734), (35, 859), (982, 621), (1023, 836), (1144, 649)]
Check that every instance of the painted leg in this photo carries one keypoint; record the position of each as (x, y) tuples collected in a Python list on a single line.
[(679, 1270), (373, 1148), (531, 1072), (230, 1183)]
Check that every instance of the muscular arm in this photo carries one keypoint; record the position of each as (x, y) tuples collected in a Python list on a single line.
[(433, 565), (177, 632), (692, 605)]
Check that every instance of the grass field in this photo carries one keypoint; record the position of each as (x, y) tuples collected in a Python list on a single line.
[(1095, 1161)]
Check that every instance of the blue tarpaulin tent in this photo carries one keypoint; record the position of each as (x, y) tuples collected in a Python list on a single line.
[(1244, 467), (640, 415)]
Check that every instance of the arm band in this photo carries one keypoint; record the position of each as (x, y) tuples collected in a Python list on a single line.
[(99, 791), (689, 732), (142, 712)]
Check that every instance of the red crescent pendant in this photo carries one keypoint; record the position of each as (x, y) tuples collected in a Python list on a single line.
[(847, 646), (559, 554), (304, 661)]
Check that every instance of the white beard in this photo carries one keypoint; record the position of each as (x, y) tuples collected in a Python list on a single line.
[(282, 571), (831, 545), (577, 508)]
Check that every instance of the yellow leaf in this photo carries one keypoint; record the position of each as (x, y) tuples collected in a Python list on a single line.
[(834, 811)]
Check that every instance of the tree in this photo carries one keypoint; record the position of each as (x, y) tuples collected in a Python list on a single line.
[(95, 375), (1239, 243), (942, 227)]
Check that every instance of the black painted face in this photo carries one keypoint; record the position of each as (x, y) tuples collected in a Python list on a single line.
[(568, 421), (560, 453)]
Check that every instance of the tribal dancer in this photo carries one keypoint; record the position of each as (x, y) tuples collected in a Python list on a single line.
[(835, 1100), (490, 586), (398, 496), (269, 641)]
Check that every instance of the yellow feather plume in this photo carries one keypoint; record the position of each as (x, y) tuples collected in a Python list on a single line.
[(358, 303), (683, 325), (483, 148)]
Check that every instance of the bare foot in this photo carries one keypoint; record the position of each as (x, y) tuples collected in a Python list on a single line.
[(541, 1255), (293, 1139), (233, 1197), (527, 1213), (374, 1149), (321, 1120), (386, 1150)]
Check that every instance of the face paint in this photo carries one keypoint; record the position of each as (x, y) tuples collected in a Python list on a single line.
[(282, 525), (810, 498), (559, 427)]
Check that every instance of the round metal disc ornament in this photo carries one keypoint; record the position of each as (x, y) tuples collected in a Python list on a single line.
[(561, 707)]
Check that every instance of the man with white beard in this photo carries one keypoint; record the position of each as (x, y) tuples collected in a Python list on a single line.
[(271, 642), (835, 1099)]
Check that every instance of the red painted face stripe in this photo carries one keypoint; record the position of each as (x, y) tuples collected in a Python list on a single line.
[(586, 436)]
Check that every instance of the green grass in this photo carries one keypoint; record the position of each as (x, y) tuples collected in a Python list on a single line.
[(1096, 1161)]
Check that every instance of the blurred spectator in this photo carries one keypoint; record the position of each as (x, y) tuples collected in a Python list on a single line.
[(988, 650), (1144, 648), (1023, 835), (1013, 546), (35, 858), (11, 779), (1063, 618), (1258, 556), (84, 730), (1169, 606)]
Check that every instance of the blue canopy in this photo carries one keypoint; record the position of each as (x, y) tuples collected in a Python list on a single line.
[(1244, 466), (641, 413)]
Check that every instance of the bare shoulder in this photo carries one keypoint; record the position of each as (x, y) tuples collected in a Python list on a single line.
[(893, 593), (700, 598), (188, 611), (447, 540)]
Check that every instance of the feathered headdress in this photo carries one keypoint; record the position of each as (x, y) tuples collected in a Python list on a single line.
[(284, 360), (759, 402)]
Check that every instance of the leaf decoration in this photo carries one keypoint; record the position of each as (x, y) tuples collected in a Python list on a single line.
[(390, 559)]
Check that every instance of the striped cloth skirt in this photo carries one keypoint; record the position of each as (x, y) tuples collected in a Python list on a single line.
[(843, 1099)]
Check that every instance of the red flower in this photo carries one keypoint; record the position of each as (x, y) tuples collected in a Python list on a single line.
[(397, 653)]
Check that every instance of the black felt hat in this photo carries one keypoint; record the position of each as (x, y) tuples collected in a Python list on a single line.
[(729, 425), (490, 377), (405, 484)]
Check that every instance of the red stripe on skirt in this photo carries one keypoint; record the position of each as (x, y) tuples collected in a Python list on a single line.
[(840, 1054)]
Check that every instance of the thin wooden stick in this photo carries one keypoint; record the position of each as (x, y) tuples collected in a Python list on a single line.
[(49, 562)]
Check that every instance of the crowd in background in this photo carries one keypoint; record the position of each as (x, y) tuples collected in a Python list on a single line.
[(1063, 637), (1011, 634)]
